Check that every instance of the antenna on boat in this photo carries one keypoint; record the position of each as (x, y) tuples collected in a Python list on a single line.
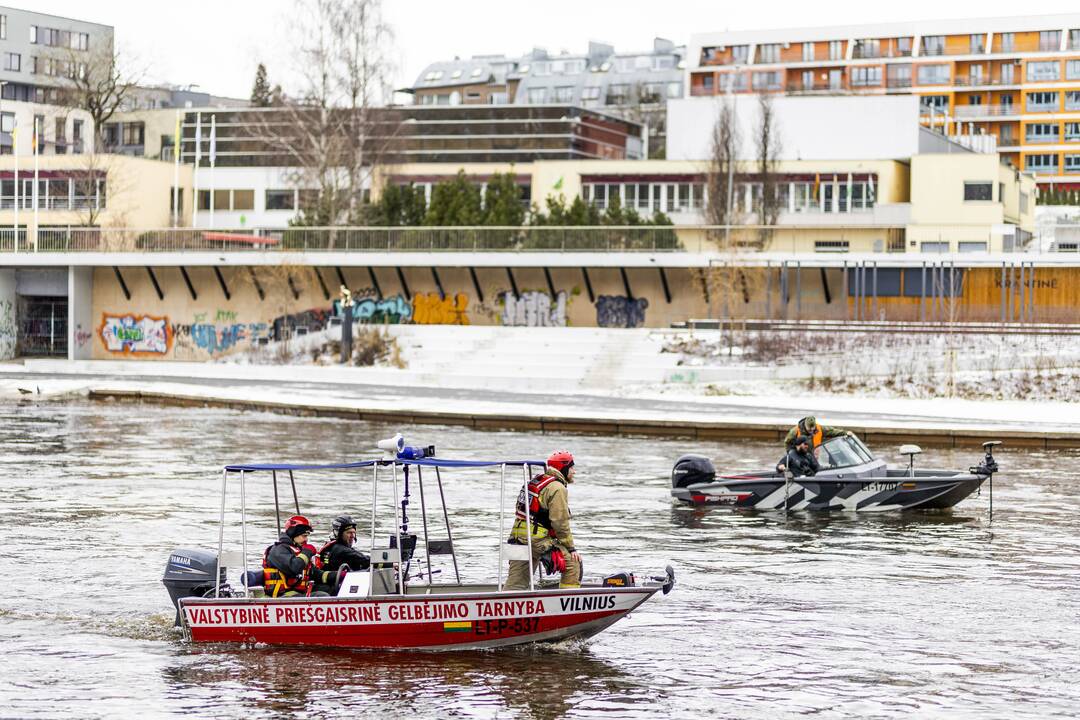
[(911, 451)]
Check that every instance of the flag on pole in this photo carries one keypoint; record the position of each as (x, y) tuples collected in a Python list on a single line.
[(195, 195), (213, 140), (176, 135), (198, 138), (176, 171)]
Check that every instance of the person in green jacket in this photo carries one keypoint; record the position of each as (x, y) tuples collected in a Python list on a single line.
[(549, 512)]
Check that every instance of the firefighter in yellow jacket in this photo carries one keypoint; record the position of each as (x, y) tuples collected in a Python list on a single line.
[(549, 511)]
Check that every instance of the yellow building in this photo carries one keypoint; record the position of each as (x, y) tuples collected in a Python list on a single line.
[(934, 202), (91, 190)]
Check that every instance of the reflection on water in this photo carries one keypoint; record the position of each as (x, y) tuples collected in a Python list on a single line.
[(832, 614), (446, 684)]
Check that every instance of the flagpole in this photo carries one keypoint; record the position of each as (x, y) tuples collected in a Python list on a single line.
[(36, 194), (176, 173), (18, 195), (195, 174), (213, 163)]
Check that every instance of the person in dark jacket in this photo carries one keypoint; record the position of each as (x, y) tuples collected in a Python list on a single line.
[(800, 459), (287, 564), (338, 552)]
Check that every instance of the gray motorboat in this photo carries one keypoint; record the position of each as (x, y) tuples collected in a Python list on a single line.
[(851, 478)]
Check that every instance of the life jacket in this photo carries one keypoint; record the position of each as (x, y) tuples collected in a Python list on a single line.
[(537, 514), (324, 553), (815, 439), (275, 582)]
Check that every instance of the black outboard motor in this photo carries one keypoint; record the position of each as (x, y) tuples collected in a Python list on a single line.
[(692, 469), (190, 573)]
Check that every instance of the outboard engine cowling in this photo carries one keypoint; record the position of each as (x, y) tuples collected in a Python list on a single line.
[(190, 573), (692, 469)]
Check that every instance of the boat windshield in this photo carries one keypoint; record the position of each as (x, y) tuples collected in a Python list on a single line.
[(844, 451)]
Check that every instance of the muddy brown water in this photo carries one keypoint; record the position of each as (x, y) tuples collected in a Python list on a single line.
[(834, 615)]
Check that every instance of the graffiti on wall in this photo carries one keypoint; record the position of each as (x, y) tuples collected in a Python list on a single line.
[(82, 336), (135, 334), (308, 321), (620, 311), (214, 338), (392, 310), (534, 309), (8, 332), (221, 332), (430, 309)]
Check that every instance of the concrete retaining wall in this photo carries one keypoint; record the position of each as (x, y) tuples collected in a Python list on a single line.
[(233, 308)]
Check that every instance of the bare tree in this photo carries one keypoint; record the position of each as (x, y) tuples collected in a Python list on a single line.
[(98, 81), (768, 153), (335, 129), (723, 158)]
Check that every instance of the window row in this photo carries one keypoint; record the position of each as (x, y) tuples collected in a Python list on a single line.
[(1047, 163), (1049, 132), (568, 66), (1051, 101), (646, 197), (1051, 70), (232, 200), (869, 48), (56, 67), (125, 134), (55, 193), (52, 37), (58, 141), (796, 197), (617, 93)]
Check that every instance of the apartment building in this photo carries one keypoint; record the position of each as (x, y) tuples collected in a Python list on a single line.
[(633, 85), (37, 53), (1017, 79)]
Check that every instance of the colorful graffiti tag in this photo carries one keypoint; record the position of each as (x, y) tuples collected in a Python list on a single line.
[(392, 310), (534, 309), (213, 338), (8, 333), (430, 309), (620, 311), (135, 334)]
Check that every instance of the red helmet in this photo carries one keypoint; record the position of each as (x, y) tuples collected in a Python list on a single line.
[(297, 525), (561, 461)]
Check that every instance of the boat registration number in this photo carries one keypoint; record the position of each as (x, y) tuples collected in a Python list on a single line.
[(509, 625), (881, 486)]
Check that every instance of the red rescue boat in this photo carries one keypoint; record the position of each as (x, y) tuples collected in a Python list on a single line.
[(394, 604)]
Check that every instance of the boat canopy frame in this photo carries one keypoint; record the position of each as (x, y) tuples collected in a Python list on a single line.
[(400, 502)]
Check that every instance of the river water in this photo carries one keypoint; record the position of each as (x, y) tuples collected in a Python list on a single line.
[(833, 616)]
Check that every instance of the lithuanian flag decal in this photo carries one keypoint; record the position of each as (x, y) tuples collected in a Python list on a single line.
[(457, 627)]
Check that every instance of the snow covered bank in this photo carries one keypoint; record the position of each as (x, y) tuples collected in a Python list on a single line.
[(1041, 368)]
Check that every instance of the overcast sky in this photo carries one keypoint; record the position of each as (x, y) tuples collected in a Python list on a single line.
[(216, 45)]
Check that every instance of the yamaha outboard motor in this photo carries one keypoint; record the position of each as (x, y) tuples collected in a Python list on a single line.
[(190, 573), (692, 469)]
